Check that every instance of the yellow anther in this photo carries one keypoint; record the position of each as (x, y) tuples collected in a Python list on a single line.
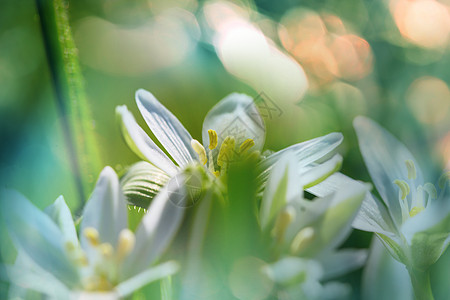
[(246, 145), (200, 151), (430, 189), (106, 249), (212, 139), (404, 187), (444, 179), (412, 174), (70, 247), (226, 151), (282, 222), (91, 235), (302, 240), (82, 260), (415, 210), (126, 243), (216, 173)]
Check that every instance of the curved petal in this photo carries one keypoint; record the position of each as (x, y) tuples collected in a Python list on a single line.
[(282, 186), (34, 233), (142, 182), (158, 227), (236, 115), (141, 143), (166, 127), (289, 268), (385, 159), (106, 209), (60, 213), (342, 262), (306, 153)]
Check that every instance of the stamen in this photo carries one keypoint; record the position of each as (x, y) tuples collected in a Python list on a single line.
[(106, 249), (246, 145), (212, 139), (284, 218), (126, 243), (404, 187), (431, 190), (200, 151), (415, 210), (91, 235), (444, 179), (412, 174), (302, 239), (226, 151)]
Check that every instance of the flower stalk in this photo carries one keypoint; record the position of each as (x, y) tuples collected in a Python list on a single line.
[(420, 281), (72, 105)]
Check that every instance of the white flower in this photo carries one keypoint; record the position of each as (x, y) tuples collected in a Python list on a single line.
[(107, 259), (231, 128), (413, 220), (305, 232)]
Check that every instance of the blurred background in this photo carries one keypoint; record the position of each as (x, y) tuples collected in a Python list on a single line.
[(315, 65)]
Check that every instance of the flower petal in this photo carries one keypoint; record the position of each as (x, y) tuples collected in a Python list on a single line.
[(141, 143), (289, 268), (142, 182), (282, 186), (166, 127), (158, 226), (309, 151), (384, 277), (236, 115), (106, 209), (26, 274), (315, 174), (385, 159), (138, 281), (342, 262), (34, 233), (333, 225), (60, 213)]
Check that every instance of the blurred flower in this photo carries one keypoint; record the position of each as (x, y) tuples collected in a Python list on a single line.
[(232, 129), (107, 260), (306, 233), (414, 225)]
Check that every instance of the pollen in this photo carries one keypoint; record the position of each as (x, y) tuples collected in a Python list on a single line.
[(226, 151), (106, 249), (200, 151), (412, 174), (91, 235), (302, 240), (246, 145), (404, 187), (126, 243), (281, 224), (415, 210), (212, 139)]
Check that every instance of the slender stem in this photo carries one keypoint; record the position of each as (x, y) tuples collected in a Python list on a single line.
[(420, 281), (76, 121)]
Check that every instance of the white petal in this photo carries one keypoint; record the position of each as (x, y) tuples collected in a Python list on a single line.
[(235, 115), (127, 287), (313, 175), (158, 226), (385, 159), (34, 233), (166, 127), (26, 274), (288, 268), (332, 221), (60, 213), (282, 186), (142, 144), (341, 262), (105, 210), (384, 277), (309, 151)]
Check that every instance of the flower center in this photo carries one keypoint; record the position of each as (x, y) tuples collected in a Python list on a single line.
[(102, 266), (227, 152), (419, 198)]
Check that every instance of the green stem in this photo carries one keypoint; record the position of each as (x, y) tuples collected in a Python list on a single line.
[(75, 115), (420, 281)]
